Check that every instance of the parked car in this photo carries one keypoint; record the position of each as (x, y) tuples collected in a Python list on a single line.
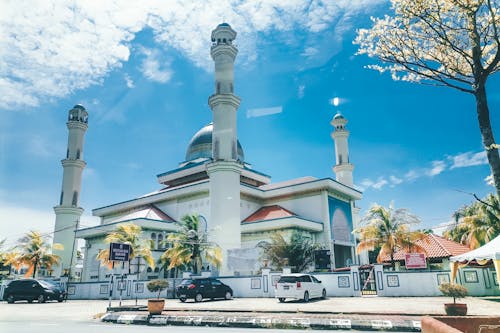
[(201, 288), (31, 289), (299, 286)]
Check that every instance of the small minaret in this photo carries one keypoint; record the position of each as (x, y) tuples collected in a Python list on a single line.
[(224, 170), (68, 211), (343, 168)]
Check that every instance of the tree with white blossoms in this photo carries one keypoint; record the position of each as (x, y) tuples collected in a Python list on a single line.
[(451, 43)]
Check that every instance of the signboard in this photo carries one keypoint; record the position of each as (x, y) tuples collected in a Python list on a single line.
[(119, 252), (415, 260)]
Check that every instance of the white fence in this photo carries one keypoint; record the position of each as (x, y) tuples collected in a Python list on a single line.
[(479, 282)]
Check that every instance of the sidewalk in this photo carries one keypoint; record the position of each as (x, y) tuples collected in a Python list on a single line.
[(361, 313)]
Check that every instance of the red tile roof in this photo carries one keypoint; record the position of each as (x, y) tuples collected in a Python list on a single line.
[(435, 247), (269, 213)]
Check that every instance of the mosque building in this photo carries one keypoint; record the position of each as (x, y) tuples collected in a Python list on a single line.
[(238, 206)]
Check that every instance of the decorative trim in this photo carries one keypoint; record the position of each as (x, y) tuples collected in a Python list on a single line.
[(380, 281), (486, 277), (255, 283), (392, 281), (443, 278), (103, 289), (471, 277), (71, 290), (355, 279), (343, 282)]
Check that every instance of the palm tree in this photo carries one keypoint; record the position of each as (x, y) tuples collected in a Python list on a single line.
[(477, 223), (35, 251), (130, 234), (298, 253), (189, 247), (388, 229)]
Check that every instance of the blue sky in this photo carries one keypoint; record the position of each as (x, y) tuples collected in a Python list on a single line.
[(144, 73)]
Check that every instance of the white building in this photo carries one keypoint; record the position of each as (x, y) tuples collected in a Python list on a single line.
[(239, 206)]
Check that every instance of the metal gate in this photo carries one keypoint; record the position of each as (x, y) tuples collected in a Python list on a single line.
[(367, 280)]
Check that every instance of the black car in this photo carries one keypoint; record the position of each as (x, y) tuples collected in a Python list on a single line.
[(201, 288), (31, 289)]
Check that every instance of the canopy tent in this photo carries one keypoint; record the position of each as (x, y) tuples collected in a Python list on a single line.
[(482, 255)]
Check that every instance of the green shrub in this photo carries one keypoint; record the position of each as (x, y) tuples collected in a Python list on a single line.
[(453, 290), (157, 286)]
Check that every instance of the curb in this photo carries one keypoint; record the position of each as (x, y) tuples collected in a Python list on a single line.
[(263, 322)]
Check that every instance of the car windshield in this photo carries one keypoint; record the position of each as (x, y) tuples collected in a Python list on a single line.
[(47, 284), (186, 282)]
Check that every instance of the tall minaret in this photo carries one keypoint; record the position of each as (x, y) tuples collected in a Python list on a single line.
[(224, 171), (343, 168), (68, 211)]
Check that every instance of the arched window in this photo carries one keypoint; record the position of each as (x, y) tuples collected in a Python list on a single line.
[(67, 153), (149, 270), (218, 88), (153, 240), (78, 154), (62, 197), (74, 202), (157, 269), (160, 242)]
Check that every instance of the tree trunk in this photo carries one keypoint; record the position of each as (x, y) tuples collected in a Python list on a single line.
[(483, 116), (34, 268)]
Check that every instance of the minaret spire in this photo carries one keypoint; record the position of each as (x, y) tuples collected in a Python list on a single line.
[(343, 168), (68, 211), (225, 169)]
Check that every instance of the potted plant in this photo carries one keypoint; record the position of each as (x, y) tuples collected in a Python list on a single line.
[(456, 291), (155, 306)]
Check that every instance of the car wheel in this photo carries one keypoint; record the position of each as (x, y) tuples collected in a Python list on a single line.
[(323, 294), (41, 298), (228, 295), (306, 296), (10, 299), (182, 299), (30, 300), (198, 297), (281, 299)]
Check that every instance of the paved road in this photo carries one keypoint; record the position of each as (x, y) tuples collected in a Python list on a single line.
[(41, 327)]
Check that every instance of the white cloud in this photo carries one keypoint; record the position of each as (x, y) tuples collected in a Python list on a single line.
[(301, 91), (468, 159), (51, 48), (367, 183), (395, 180), (23, 219), (489, 180), (129, 82), (437, 168), (310, 51), (264, 111), (153, 68)]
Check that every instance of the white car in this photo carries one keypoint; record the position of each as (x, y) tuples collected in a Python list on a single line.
[(299, 286)]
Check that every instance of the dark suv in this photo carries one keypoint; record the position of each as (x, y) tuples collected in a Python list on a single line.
[(31, 289), (201, 288)]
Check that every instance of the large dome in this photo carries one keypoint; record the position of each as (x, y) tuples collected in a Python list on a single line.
[(200, 145)]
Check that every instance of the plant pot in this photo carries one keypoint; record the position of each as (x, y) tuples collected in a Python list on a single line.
[(155, 306), (455, 309)]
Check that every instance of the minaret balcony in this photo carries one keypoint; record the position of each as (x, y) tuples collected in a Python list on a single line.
[(73, 163), (223, 49), (226, 99), (340, 134), (75, 124)]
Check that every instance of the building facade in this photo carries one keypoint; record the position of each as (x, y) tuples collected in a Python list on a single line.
[(238, 206)]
